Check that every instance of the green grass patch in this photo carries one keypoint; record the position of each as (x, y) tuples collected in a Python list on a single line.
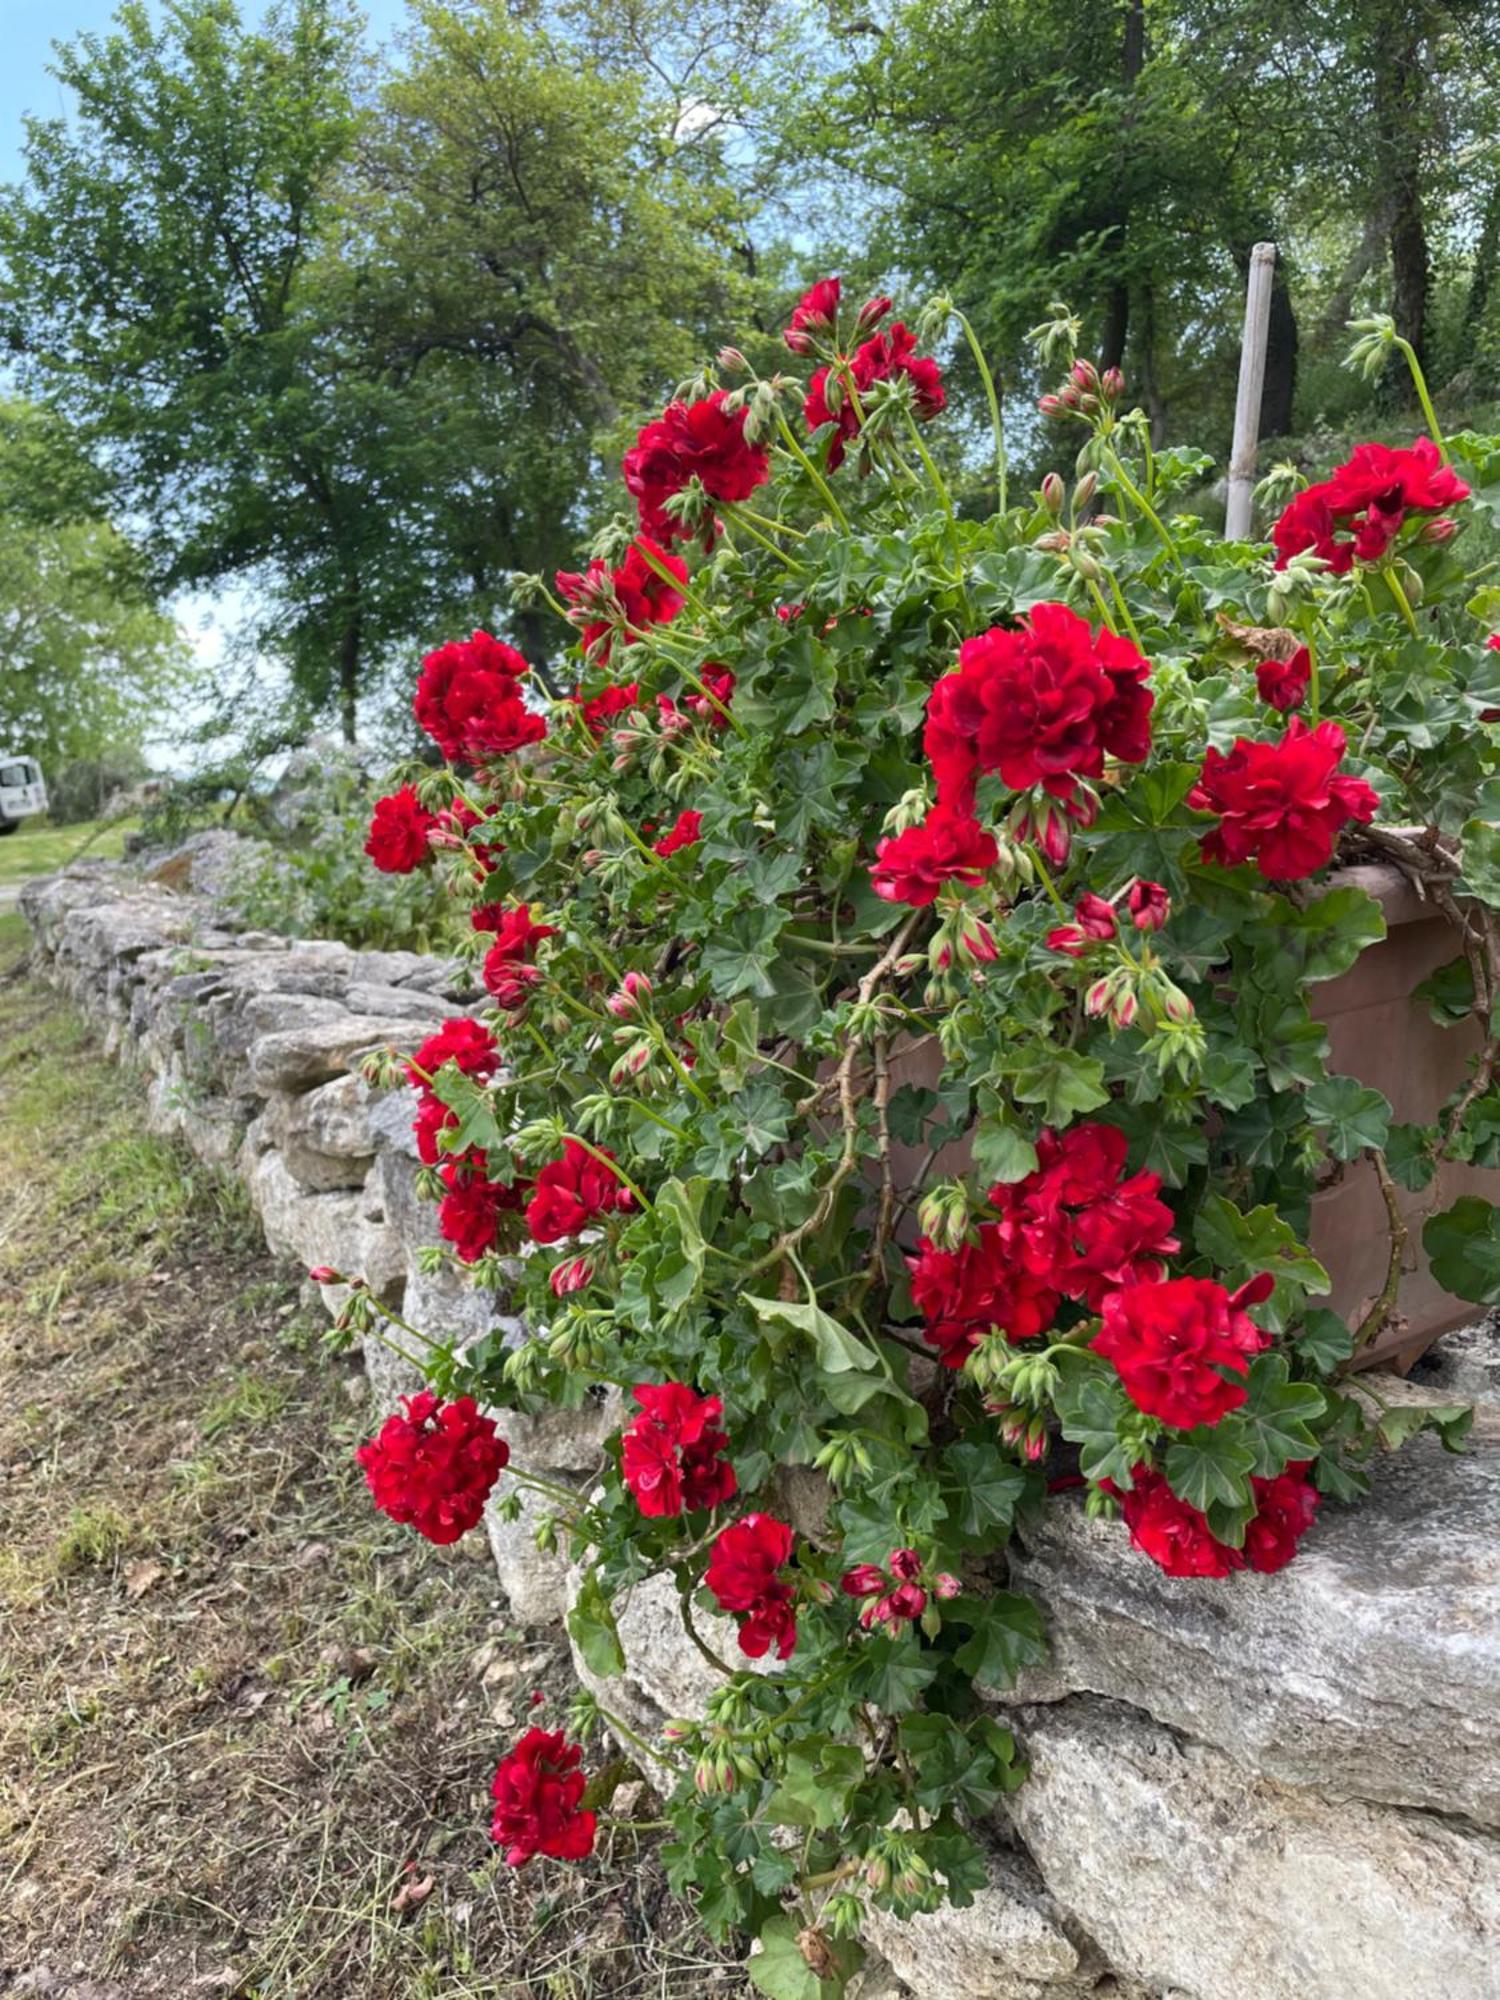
[(37, 847)]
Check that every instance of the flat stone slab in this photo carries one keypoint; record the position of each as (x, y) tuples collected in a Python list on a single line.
[(1369, 1668)]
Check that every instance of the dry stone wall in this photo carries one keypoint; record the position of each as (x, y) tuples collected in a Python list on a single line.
[(1280, 1788)]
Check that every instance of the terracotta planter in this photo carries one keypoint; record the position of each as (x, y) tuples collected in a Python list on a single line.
[(1378, 1033)]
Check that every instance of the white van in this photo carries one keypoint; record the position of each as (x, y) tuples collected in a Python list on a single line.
[(22, 790)]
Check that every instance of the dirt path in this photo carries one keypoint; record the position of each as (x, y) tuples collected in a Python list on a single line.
[(246, 1726)]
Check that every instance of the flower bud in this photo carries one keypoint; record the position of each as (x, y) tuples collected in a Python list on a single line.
[(571, 1276), (1085, 374), (634, 991), (1112, 383), (1440, 530), (1086, 488), (1100, 996), (905, 1564), (324, 1274), (864, 1580), (1095, 917), (946, 1586), (977, 941), (1054, 493), (871, 314), (1050, 406), (1068, 939), (833, 392), (678, 1732), (798, 341), (732, 361), (1175, 1004), (1149, 905), (943, 1215)]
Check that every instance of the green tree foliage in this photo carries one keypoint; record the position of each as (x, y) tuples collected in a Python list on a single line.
[(87, 661)]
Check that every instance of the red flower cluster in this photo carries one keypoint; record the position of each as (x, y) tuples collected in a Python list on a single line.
[(1359, 511), (1178, 1539), (685, 831), (600, 710), (473, 1050), (1081, 1224), (978, 1288), (1283, 804), (1182, 1347), (572, 1191), (1077, 1228), (743, 1574), (669, 1456), (510, 971), (948, 846), (702, 441), (470, 1211), (1283, 684), (624, 602), (719, 681), (468, 700), (433, 1468), (881, 358), (399, 828), (1041, 705), (538, 1792), (1094, 922)]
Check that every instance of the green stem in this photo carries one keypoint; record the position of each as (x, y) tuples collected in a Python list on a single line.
[(1403, 603), (1129, 487), (1124, 609), (738, 519), (1314, 685), (1105, 614), (993, 399), (790, 441), (1420, 382)]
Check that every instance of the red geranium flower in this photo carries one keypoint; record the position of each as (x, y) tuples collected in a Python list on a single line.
[(719, 682), (879, 359), (1283, 684), (1172, 1343), (1178, 1539), (1149, 905), (606, 601), (743, 1574), (1081, 1225), (601, 709), (670, 1454), (572, 1191), (538, 1792), (469, 1212), (468, 699), (981, 1287), (467, 1044), (1041, 705), (948, 846), (1359, 510), (1280, 804), (399, 828), (702, 441), (685, 831), (508, 971), (433, 1468), (814, 312), (433, 1117)]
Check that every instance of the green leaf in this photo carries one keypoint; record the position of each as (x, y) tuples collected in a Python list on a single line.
[(679, 1206), (1002, 1152), (1277, 1415), (1007, 1636), (1063, 1082), (1351, 1116), (1327, 936), (1463, 1243), (1240, 1245), (817, 1779), (1093, 1408), (1324, 1342), (1449, 992), (983, 1487), (837, 1349), (1481, 862), (591, 1623), (1410, 1157), (1211, 1465), (740, 959), (780, 1971)]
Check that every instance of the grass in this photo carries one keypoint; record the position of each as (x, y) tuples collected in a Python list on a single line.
[(37, 847), (247, 1726)]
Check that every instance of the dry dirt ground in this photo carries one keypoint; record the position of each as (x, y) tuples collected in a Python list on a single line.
[(246, 1725)]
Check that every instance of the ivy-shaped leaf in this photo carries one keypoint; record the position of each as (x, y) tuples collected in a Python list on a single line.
[(1093, 1408), (1007, 1636), (1240, 1245), (1463, 1243), (1277, 1415), (1211, 1466), (1352, 1117)]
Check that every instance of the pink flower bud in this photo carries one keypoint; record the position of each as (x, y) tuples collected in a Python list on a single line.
[(798, 341), (1096, 918), (872, 314), (1442, 529), (1112, 382), (977, 941), (905, 1565), (1149, 905), (1125, 1008), (1068, 938), (864, 1580), (1054, 493), (1176, 1005), (324, 1274), (946, 1586), (1085, 374), (1096, 1001), (1050, 406), (571, 1276), (905, 1602), (634, 991), (732, 361)]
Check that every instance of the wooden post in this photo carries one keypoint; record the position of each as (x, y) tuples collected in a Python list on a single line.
[(1247, 399)]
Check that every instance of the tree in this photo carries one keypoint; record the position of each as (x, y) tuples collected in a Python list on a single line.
[(88, 664)]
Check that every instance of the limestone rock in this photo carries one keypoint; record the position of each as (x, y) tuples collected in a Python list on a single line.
[(1369, 1668), (533, 1579), (324, 1135), (1465, 1365), (390, 1376), (1007, 1945), (1189, 1871), (312, 1228), (296, 1058)]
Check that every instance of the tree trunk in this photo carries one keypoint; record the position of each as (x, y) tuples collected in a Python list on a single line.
[(1400, 108), (1482, 278), (1116, 326), (349, 652)]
